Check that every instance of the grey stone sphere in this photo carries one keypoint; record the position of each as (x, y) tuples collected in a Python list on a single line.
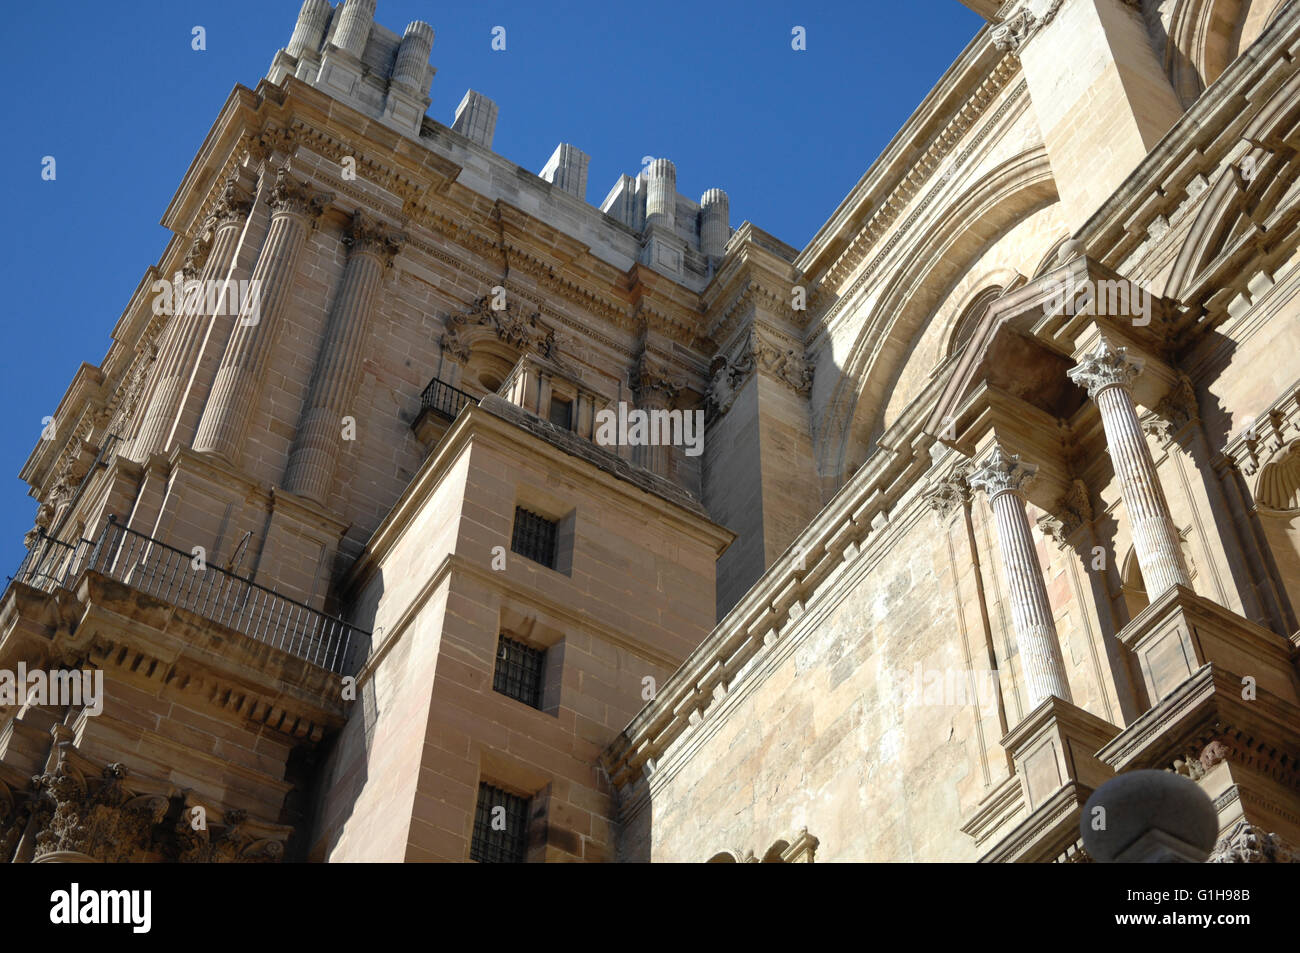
[(1137, 803)]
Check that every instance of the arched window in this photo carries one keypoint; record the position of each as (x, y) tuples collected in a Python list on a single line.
[(970, 319)]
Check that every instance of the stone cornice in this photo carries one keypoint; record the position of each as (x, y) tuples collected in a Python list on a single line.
[(885, 221)]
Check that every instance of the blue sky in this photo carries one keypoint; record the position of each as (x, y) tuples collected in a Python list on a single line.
[(114, 92)]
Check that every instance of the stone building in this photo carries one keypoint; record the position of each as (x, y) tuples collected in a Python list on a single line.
[(997, 493)]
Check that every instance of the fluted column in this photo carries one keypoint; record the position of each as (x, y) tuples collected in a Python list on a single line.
[(334, 384), (1107, 374), (184, 337), (308, 32), (412, 63), (295, 206), (1003, 478), (355, 21)]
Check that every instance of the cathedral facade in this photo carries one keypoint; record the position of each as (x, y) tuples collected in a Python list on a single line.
[(422, 511)]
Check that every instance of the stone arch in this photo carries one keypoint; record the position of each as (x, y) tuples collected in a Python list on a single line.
[(1205, 37), (723, 857), (1000, 199), (1252, 206), (776, 853), (968, 318)]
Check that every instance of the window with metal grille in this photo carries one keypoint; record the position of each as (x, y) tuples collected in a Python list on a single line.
[(562, 413), (534, 537), (519, 671), (500, 827)]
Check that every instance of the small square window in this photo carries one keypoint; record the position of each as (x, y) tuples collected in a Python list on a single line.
[(534, 537), (500, 827), (519, 671), (562, 413)]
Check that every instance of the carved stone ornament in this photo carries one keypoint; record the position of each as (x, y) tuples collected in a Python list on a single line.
[(96, 813), (726, 377), (369, 236), (197, 256), (107, 814), (234, 203), (651, 382), (1072, 511), (787, 365), (510, 324), (231, 837), (1002, 473), (1248, 844), (951, 492), (1174, 412), (271, 140), (294, 196), (1105, 367), (1011, 35)]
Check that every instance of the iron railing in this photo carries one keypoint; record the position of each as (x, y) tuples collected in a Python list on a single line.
[(175, 576), (445, 400)]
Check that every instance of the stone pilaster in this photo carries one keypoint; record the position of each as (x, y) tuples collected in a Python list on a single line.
[(295, 207), (1107, 375), (184, 338), (1003, 478), (311, 465)]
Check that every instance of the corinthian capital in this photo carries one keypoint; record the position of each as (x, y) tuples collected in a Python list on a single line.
[(1105, 367), (652, 383), (234, 203), (1002, 473), (368, 235), (297, 197)]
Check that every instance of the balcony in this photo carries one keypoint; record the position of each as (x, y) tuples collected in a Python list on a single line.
[(168, 574), (440, 404)]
